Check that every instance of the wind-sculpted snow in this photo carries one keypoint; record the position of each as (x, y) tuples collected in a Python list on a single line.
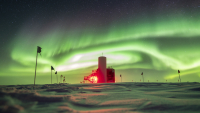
[(101, 98)]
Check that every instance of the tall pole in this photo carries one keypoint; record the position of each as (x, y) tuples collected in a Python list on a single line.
[(35, 68), (57, 78), (179, 75), (51, 76), (143, 78)]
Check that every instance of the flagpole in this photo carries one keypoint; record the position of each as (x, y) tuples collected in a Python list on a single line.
[(57, 78), (179, 75), (35, 68), (143, 78)]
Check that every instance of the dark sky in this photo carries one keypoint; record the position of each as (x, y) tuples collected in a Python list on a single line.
[(154, 36)]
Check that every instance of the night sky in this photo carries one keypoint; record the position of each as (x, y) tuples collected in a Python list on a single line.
[(156, 37)]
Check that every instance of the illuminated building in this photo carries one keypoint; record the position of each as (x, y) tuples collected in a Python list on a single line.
[(102, 74)]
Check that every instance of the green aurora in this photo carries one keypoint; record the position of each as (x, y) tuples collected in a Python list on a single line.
[(156, 46)]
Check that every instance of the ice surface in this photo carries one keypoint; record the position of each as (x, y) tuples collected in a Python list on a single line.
[(101, 98)]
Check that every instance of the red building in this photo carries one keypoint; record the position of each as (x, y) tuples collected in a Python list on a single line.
[(94, 78), (102, 74), (110, 75)]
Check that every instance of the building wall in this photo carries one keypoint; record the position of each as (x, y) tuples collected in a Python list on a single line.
[(110, 75), (102, 72)]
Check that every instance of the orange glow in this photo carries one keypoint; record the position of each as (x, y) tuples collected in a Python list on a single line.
[(93, 79)]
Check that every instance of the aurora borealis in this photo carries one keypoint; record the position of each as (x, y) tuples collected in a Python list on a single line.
[(149, 36)]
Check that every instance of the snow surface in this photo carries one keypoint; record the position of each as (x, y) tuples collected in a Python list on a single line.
[(101, 98)]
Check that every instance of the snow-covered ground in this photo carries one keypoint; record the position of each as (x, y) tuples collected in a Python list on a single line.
[(101, 98)]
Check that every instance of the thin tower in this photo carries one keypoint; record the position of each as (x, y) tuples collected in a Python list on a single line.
[(102, 75)]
